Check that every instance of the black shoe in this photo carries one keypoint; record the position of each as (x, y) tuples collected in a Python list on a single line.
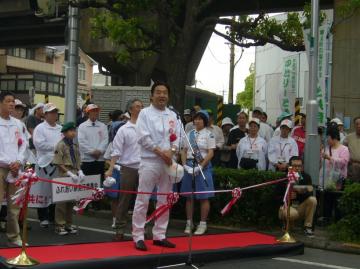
[(164, 243), (140, 245)]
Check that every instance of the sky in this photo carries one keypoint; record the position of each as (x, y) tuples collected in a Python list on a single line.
[(213, 71)]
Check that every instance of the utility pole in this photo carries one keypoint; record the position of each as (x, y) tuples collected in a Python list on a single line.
[(73, 61), (232, 69), (312, 146)]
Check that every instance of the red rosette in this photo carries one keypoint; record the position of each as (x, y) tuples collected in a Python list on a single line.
[(20, 142), (173, 137)]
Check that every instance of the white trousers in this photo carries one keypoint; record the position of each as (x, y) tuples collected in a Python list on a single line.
[(151, 174)]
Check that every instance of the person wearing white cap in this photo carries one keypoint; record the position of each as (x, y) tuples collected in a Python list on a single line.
[(46, 136), (93, 140), (265, 130), (252, 149), (340, 126), (187, 116), (282, 148), (225, 156), (12, 149), (158, 132)]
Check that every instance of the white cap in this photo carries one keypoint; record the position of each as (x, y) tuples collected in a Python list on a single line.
[(227, 120), (287, 123), (255, 120), (187, 112), (258, 109), (49, 107), (337, 121), (175, 171), (127, 115), (19, 103), (91, 107)]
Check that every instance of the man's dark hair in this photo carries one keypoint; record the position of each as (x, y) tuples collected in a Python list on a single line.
[(160, 83), (264, 114), (3, 94), (116, 114), (295, 158)]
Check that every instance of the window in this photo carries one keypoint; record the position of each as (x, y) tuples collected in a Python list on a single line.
[(22, 53), (82, 72)]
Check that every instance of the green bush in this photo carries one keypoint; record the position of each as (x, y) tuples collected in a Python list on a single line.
[(257, 207), (347, 229)]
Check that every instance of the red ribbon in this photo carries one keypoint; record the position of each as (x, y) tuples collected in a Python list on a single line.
[(171, 199), (292, 179), (97, 195), (236, 194)]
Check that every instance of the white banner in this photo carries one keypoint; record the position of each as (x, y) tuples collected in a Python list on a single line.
[(61, 193), (289, 83), (321, 85)]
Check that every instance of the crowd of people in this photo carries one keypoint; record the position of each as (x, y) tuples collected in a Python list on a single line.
[(146, 151)]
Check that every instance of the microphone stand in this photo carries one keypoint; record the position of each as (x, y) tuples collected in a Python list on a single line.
[(189, 261)]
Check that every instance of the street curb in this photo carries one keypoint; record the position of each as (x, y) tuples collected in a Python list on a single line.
[(316, 242)]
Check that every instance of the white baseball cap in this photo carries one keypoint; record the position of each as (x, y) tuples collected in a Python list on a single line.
[(49, 107), (91, 107), (255, 120), (187, 112), (227, 120), (287, 123), (337, 121), (258, 109), (127, 115), (19, 103)]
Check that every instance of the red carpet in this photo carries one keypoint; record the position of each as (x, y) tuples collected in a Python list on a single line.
[(78, 252)]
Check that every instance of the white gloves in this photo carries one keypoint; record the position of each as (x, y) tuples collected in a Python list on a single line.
[(190, 170), (117, 167), (81, 175), (74, 177), (109, 181), (196, 170)]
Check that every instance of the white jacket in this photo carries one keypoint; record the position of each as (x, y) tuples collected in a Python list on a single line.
[(45, 138)]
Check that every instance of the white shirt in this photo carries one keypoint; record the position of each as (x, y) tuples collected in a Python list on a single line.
[(265, 131), (126, 146), (218, 134), (92, 136), (153, 128), (205, 141), (253, 148), (12, 142), (45, 138), (281, 150)]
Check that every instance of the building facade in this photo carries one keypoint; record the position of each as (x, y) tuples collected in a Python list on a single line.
[(38, 74)]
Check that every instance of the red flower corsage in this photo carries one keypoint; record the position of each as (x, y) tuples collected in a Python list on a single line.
[(173, 137), (20, 142)]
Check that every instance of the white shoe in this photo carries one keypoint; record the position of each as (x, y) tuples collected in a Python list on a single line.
[(71, 229), (44, 224), (201, 229), (16, 243), (114, 223), (61, 231), (188, 229)]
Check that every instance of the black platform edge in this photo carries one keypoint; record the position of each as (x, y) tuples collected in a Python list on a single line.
[(152, 261)]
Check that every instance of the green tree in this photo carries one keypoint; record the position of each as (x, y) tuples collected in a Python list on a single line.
[(245, 98), (164, 39)]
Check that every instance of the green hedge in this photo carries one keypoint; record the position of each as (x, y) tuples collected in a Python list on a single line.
[(347, 229), (257, 207)]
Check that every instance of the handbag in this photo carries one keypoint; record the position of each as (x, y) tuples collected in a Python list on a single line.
[(248, 163)]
